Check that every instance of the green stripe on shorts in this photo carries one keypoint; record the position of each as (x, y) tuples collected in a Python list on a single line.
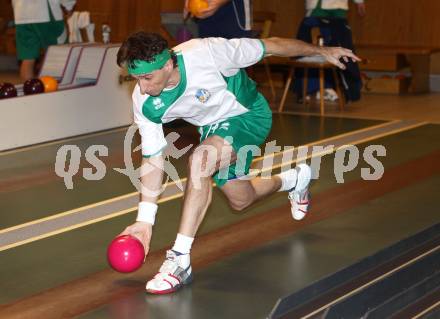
[(247, 132)]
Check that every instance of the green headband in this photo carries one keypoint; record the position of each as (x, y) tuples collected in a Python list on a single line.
[(144, 67)]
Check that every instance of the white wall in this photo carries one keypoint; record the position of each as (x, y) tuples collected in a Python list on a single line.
[(27, 120)]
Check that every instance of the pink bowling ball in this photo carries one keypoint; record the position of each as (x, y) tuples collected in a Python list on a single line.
[(125, 254)]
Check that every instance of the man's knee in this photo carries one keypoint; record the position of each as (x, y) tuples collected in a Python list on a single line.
[(240, 194), (239, 205), (202, 162)]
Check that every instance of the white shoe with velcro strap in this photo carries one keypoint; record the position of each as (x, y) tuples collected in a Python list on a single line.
[(299, 196), (174, 273)]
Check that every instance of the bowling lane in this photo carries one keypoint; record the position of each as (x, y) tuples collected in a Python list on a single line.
[(247, 285), (30, 188), (81, 252)]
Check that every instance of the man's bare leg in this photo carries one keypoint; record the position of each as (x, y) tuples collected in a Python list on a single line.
[(242, 193), (27, 69), (198, 192), (211, 155)]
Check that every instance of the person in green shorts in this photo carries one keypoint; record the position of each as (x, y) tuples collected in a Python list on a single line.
[(202, 81), (38, 24)]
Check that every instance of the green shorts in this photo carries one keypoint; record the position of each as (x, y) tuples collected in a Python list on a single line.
[(245, 132), (32, 37)]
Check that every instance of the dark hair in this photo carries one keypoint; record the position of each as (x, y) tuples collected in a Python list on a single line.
[(142, 46)]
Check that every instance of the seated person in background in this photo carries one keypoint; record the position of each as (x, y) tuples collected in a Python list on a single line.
[(330, 16)]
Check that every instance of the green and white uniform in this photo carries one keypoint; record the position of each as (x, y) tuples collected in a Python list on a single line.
[(328, 8), (39, 24), (215, 94)]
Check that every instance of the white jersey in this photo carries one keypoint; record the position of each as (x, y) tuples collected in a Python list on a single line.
[(37, 11), (213, 87)]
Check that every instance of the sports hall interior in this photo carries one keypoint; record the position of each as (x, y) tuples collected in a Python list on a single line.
[(362, 238)]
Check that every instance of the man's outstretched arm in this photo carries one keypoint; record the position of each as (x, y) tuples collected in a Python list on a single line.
[(293, 47), (151, 179)]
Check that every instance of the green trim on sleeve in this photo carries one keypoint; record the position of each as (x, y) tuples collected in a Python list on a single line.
[(155, 154), (264, 49)]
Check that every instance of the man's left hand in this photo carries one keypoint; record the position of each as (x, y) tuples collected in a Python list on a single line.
[(334, 54)]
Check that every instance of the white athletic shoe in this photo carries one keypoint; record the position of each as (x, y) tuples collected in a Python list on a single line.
[(172, 274), (329, 95), (299, 195)]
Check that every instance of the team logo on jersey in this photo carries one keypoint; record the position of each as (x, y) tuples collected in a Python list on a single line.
[(203, 95), (158, 103), (224, 126)]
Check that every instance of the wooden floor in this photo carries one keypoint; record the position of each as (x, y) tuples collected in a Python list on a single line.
[(10, 76), (423, 107), (58, 273), (66, 275)]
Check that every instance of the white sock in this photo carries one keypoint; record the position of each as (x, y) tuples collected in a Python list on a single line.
[(183, 244), (288, 180)]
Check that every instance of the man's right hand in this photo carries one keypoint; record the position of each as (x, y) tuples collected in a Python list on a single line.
[(141, 231)]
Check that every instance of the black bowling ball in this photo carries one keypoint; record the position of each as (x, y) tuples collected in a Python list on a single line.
[(33, 86), (7, 90)]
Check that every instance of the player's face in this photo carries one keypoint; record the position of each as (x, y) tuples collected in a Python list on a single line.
[(152, 83)]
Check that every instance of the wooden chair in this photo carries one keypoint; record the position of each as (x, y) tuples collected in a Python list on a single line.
[(312, 63), (308, 64), (262, 25)]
